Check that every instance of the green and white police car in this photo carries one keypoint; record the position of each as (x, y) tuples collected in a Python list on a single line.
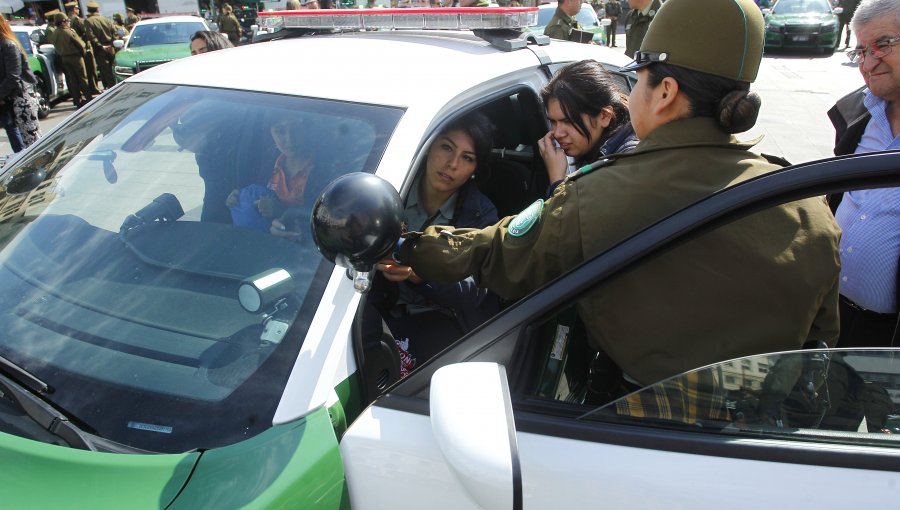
[(51, 85), (156, 41), (156, 355)]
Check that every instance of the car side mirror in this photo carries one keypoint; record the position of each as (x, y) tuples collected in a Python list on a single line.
[(24, 180), (121, 32), (214, 27), (37, 35), (118, 44), (472, 422), (356, 222)]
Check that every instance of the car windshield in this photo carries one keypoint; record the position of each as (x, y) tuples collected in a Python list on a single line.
[(587, 17), (544, 15), (161, 317), (801, 7), (25, 41), (163, 33)]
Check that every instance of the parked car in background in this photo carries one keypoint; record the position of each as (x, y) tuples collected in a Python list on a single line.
[(51, 84), (586, 16), (156, 41), (811, 24)]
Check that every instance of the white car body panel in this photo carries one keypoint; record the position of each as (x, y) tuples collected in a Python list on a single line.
[(325, 351), (430, 73), (393, 461)]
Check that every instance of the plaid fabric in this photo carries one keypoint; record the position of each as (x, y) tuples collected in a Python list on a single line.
[(686, 399)]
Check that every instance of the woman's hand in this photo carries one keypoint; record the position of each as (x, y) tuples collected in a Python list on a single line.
[(397, 272), (233, 198), (266, 207), (278, 228), (554, 158)]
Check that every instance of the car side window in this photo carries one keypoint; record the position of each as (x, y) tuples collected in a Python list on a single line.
[(845, 395)]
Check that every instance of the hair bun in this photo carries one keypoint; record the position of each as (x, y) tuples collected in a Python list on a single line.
[(738, 110)]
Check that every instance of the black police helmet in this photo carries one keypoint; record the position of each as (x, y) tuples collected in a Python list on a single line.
[(357, 220)]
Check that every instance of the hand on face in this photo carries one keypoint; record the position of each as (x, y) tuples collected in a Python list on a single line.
[(554, 158)]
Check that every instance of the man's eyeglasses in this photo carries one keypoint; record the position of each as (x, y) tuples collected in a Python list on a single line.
[(878, 50)]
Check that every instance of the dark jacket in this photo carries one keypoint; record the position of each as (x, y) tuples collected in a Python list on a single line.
[(470, 304), (14, 67), (850, 118)]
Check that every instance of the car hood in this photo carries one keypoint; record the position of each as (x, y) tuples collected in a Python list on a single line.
[(129, 56), (801, 19), (37, 474)]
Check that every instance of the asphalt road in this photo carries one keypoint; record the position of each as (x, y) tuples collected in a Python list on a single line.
[(797, 89)]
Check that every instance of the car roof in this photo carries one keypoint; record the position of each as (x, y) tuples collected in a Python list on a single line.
[(171, 19), (366, 66)]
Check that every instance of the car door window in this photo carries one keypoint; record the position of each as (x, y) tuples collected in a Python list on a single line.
[(838, 395)]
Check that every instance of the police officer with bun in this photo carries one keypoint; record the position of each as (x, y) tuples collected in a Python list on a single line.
[(765, 283)]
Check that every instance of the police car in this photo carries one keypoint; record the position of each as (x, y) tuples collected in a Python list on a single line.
[(42, 60), (156, 355)]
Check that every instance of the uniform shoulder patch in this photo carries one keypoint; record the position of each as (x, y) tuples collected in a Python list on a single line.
[(522, 223)]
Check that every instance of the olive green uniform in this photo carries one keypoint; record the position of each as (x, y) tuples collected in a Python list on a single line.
[(765, 283), (104, 31), (131, 20), (638, 24), (561, 25), (90, 65), (231, 27), (70, 49)]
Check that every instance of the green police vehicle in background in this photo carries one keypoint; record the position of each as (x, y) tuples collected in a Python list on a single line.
[(51, 86), (156, 41)]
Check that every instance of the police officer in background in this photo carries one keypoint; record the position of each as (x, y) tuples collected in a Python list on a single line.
[(131, 19), (84, 32), (613, 11), (563, 21), (71, 49), (766, 283), (637, 22), (104, 33)]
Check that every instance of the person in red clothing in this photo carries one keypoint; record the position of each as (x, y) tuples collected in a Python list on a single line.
[(287, 183)]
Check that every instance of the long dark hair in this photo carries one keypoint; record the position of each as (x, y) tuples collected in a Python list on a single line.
[(730, 102), (214, 40), (585, 87)]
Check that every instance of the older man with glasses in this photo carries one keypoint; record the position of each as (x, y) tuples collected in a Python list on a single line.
[(866, 120)]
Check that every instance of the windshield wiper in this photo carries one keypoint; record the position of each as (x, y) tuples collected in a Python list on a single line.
[(45, 415), (24, 376)]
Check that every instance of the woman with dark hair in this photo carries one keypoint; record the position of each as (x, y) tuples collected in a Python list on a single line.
[(18, 105), (765, 283), (428, 316), (588, 118), (204, 41)]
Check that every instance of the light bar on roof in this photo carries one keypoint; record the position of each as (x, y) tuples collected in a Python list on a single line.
[(394, 19)]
